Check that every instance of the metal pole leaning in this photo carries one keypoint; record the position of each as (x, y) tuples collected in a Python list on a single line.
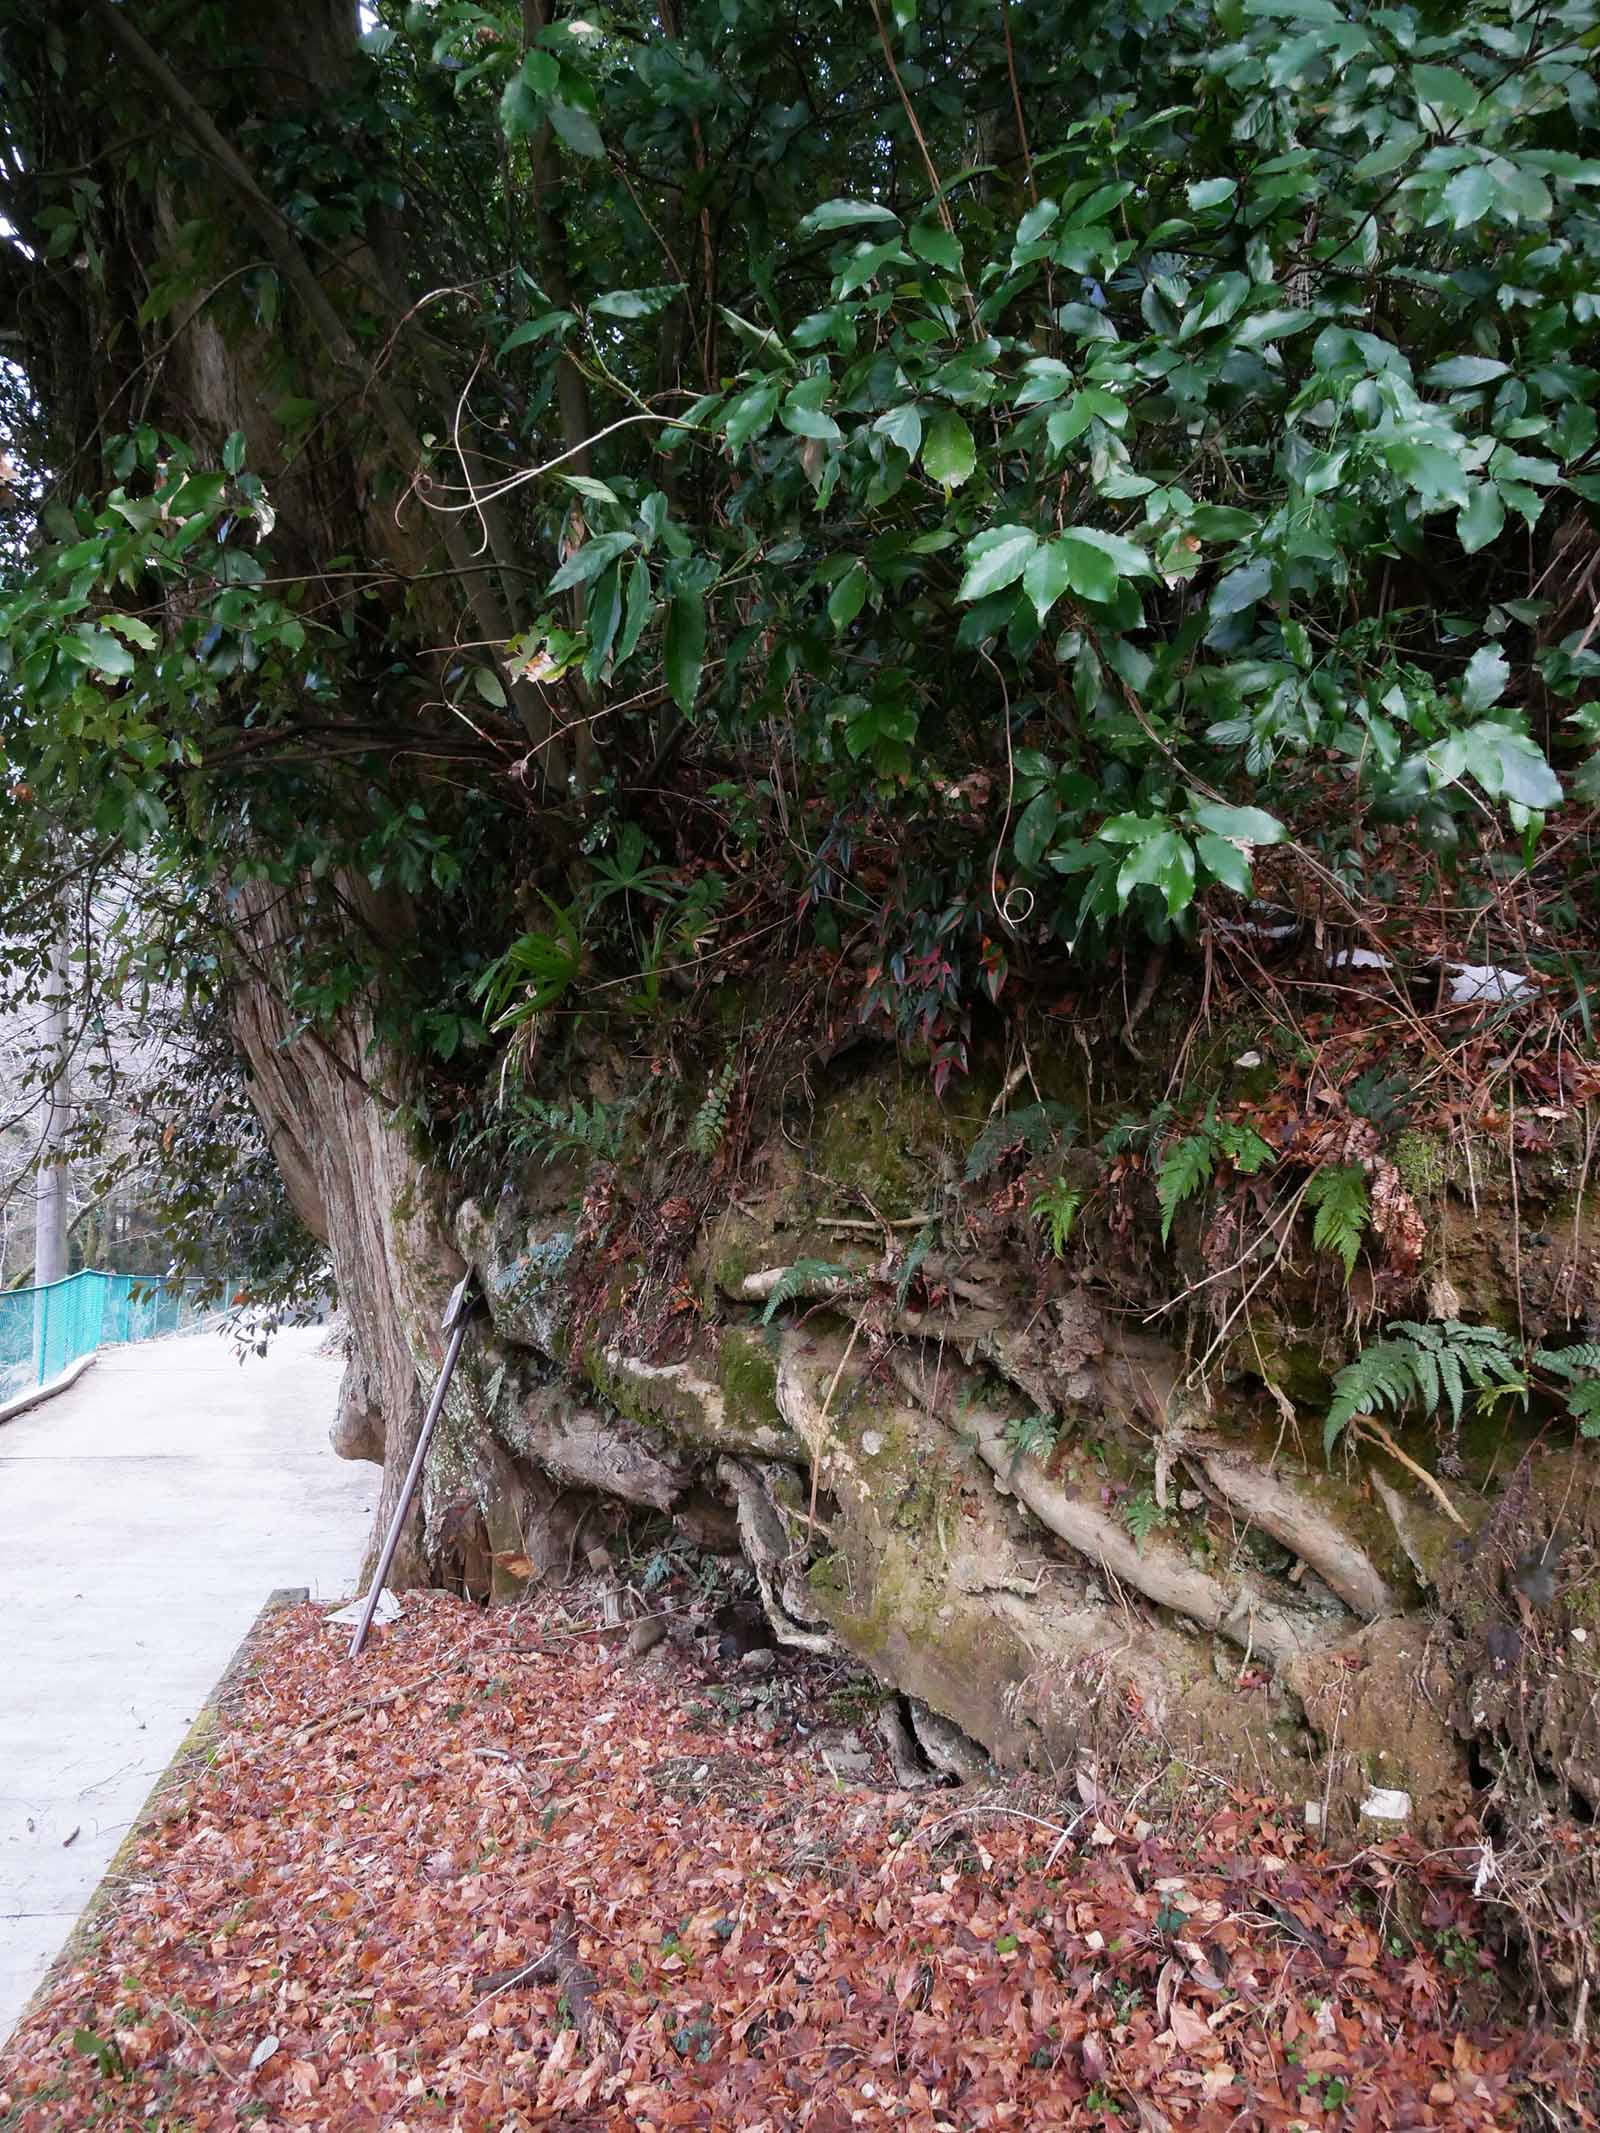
[(458, 1313)]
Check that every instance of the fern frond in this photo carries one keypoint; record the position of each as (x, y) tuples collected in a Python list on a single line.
[(710, 1122), (1142, 1516), (1416, 1365), (1583, 1361), (1490, 1366), (1447, 1368), (1338, 1193), (1056, 1208), (1185, 1168), (1032, 1437), (1037, 1129), (807, 1277), (1380, 1376), (1244, 1147), (921, 1245), (1579, 1366)]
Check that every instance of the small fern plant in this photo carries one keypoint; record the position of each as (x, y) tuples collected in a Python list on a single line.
[(1579, 1370), (808, 1277), (1420, 1366), (1032, 1436), (1338, 1195), (1037, 1129), (1056, 1211), (710, 1122), (1142, 1516), (911, 1264), (1187, 1163)]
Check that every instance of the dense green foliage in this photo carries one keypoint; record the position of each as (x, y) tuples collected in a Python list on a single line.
[(976, 477)]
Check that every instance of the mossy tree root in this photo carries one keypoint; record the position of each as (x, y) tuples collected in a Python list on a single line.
[(772, 1556)]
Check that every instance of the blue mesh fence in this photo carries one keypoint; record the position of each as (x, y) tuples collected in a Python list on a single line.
[(43, 1330)]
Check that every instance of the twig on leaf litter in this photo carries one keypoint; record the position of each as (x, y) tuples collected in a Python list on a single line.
[(198, 2035), (367, 1703), (577, 1981), (502, 1981)]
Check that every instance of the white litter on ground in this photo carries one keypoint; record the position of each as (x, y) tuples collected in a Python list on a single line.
[(387, 1610), (1384, 1805), (1471, 983)]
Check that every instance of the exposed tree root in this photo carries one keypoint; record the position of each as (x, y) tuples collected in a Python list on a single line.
[(1300, 1527), (771, 1556)]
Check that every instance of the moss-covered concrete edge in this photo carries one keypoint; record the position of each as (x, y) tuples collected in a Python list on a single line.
[(191, 1756)]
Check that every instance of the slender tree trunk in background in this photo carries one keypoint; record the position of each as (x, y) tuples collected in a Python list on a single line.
[(50, 1195)]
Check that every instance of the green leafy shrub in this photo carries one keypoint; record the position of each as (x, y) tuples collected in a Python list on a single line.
[(537, 971), (1032, 541)]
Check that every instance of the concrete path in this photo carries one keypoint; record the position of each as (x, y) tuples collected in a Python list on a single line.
[(144, 1517)]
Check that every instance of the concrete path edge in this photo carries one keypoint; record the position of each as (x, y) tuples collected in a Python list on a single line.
[(38, 1394), (189, 1758)]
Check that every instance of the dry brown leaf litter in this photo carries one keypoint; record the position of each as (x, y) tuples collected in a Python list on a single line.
[(526, 1881)]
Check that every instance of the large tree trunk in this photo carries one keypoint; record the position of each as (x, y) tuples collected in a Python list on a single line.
[(359, 1187), (330, 1099)]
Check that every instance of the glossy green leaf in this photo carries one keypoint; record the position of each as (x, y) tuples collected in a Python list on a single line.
[(636, 303), (1484, 683), (844, 215), (902, 426), (803, 421), (848, 597), (536, 329), (636, 610), (1464, 370), (587, 562), (576, 130), (1036, 826), (751, 412), (1126, 557), (1047, 576), (1044, 378), (1435, 474), (1165, 862), (1036, 221), (684, 647), (105, 653), (933, 242), (996, 559), (1242, 588), (1247, 825), (1482, 517), (1223, 861), (948, 452), (1469, 195)]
